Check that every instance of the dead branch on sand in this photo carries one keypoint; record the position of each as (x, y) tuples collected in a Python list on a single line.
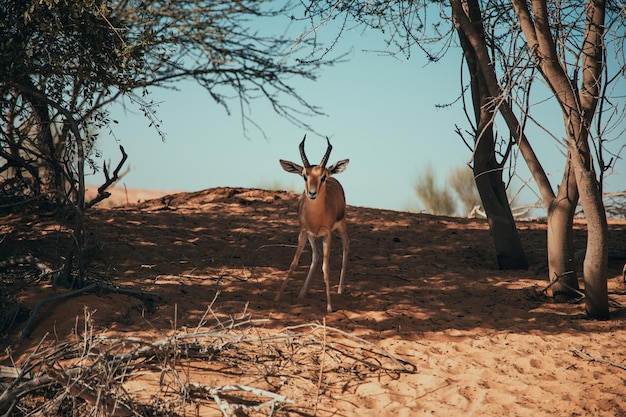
[(581, 294), (235, 366), (581, 354), (95, 287)]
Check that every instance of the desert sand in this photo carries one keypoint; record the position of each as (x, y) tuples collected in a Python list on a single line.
[(427, 326)]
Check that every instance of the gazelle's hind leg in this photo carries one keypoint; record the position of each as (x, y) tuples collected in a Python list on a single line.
[(314, 260), (326, 269), (294, 262), (345, 243)]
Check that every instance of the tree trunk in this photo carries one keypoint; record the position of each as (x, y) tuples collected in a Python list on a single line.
[(509, 251), (487, 171), (49, 175), (561, 210), (596, 256)]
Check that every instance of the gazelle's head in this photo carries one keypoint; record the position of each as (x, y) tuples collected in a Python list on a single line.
[(315, 176)]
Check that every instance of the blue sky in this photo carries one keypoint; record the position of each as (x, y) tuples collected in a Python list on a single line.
[(380, 113)]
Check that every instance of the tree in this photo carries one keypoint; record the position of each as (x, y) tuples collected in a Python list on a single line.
[(461, 180), (436, 200), (566, 44), (578, 98), (404, 24), (64, 62), (441, 200), (488, 171)]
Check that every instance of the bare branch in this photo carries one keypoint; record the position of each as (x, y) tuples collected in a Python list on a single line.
[(109, 181)]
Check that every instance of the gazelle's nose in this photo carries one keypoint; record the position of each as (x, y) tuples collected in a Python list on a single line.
[(312, 195)]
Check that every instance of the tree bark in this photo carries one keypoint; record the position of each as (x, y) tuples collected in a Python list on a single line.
[(487, 171), (51, 176), (560, 235), (595, 267)]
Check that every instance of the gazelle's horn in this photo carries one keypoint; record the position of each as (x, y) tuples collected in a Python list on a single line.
[(325, 158), (305, 161)]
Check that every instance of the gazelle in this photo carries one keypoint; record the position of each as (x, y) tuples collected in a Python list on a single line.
[(322, 209)]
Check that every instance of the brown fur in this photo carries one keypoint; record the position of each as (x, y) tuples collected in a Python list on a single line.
[(322, 209), (317, 219)]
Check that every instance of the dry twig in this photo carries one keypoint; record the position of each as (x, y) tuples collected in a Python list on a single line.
[(252, 369), (97, 286), (109, 181), (590, 358)]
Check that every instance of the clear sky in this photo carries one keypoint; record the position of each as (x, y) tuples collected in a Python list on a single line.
[(380, 113)]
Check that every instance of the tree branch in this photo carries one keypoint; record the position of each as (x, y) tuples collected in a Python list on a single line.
[(102, 190), (484, 60), (31, 89)]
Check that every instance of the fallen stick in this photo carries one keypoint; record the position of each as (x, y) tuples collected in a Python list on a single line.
[(590, 358), (28, 260), (321, 374), (229, 409), (328, 329), (10, 395), (96, 398), (80, 291), (33, 315)]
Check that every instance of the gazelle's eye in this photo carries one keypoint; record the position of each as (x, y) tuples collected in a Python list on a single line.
[(323, 178), (304, 176)]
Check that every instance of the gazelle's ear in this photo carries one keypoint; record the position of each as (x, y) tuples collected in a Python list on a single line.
[(339, 167), (291, 167)]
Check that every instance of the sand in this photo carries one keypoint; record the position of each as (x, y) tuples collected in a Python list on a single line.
[(451, 335)]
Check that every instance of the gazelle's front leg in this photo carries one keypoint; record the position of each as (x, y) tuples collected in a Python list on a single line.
[(294, 262), (314, 260)]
